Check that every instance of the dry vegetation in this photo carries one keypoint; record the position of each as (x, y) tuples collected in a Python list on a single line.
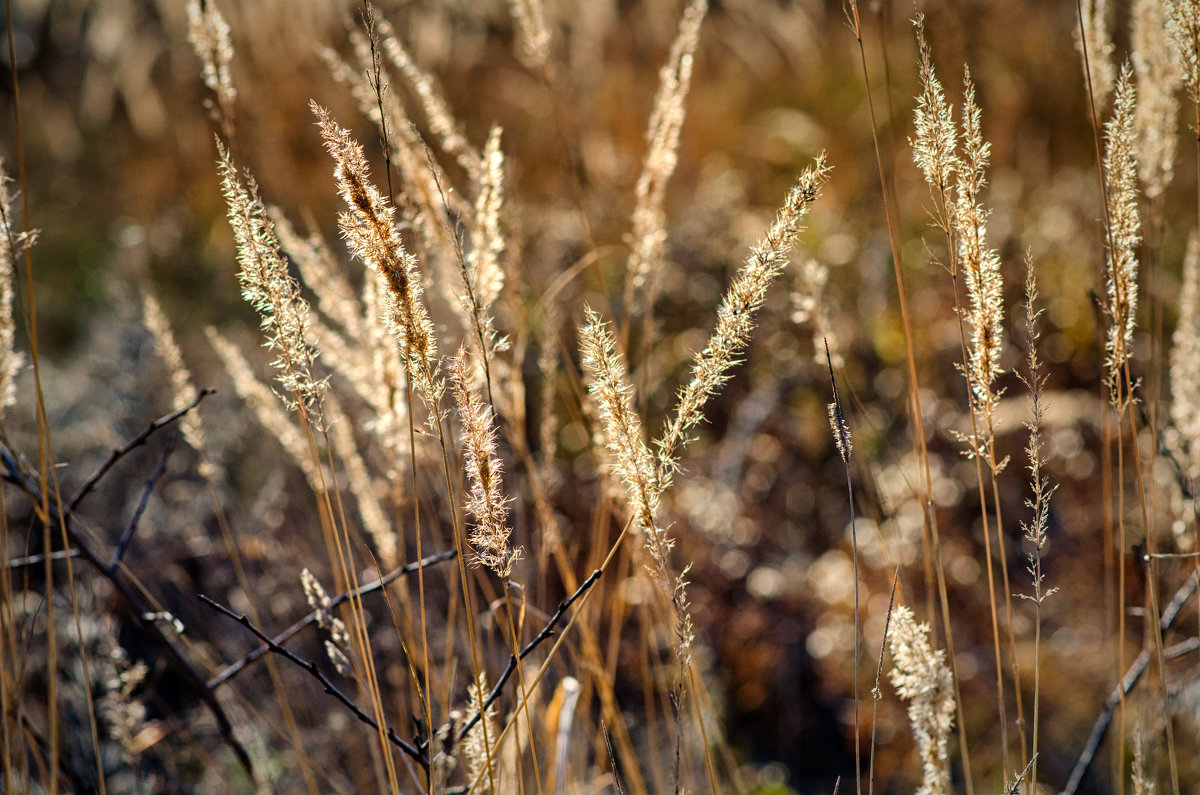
[(634, 398)]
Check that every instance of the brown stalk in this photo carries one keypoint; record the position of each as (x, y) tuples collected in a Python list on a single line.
[(930, 527), (876, 693), (841, 435), (945, 220), (1115, 561)]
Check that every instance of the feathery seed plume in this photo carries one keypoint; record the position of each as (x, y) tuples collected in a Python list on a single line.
[(318, 600), (268, 286), (486, 502), (935, 146), (208, 33), (370, 230), (1041, 493), (979, 263), (489, 239), (666, 120), (341, 663), (1040, 488), (633, 463), (1183, 24), (474, 746), (183, 391), (314, 592), (610, 388), (1125, 227), (125, 714), (841, 431), (338, 638), (1158, 76), (735, 317), (532, 31), (1100, 48), (837, 418), (484, 274), (922, 678)]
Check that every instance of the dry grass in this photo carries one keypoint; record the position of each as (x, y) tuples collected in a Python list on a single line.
[(611, 544)]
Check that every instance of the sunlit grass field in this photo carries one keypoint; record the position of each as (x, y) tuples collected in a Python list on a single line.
[(572, 397)]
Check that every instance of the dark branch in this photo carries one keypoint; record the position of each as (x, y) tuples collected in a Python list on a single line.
[(235, 668), (330, 688), (547, 632), (140, 610), (1100, 727), (131, 445), (159, 471)]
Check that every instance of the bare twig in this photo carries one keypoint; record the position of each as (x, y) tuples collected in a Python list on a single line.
[(113, 572), (131, 528), (419, 756), (1132, 675), (134, 443), (235, 668), (546, 633)]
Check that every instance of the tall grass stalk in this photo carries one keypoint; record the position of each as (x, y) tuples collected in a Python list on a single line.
[(1039, 501), (371, 231), (876, 692), (985, 289), (1096, 91), (955, 182), (375, 83), (268, 286), (19, 245), (935, 575), (1124, 234), (184, 390), (843, 442)]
